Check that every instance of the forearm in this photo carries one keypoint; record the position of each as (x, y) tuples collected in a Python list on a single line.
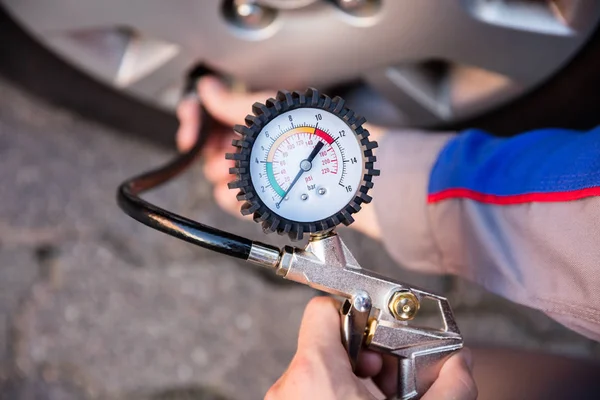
[(400, 197)]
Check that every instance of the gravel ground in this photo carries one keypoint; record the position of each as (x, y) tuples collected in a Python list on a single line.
[(95, 305)]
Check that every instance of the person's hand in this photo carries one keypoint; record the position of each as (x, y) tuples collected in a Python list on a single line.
[(321, 369), (231, 108)]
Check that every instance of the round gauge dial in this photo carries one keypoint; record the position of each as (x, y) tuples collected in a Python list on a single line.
[(304, 163), (307, 164)]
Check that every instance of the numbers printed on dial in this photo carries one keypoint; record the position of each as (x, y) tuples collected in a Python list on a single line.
[(296, 186)]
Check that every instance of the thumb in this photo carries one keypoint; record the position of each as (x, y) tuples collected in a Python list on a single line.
[(321, 325)]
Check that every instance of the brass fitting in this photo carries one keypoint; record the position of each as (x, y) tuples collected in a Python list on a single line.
[(321, 235), (370, 331), (404, 305)]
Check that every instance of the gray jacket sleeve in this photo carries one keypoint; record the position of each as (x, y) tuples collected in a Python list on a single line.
[(443, 213)]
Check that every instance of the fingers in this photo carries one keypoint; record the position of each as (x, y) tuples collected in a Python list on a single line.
[(216, 167), (320, 368), (455, 381), (188, 113), (320, 329), (228, 107), (369, 364), (226, 199), (387, 378)]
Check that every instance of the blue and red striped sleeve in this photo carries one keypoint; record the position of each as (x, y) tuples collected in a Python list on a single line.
[(546, 165), (519, 216)]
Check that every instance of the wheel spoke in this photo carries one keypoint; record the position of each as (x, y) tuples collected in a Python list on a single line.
[(99, 51), (142, 57), (521, 40), (419, 96), (524, 57), (60, 16), (161, 81)]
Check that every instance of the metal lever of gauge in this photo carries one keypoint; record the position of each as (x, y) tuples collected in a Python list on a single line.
[(355, 317), (368, 315)]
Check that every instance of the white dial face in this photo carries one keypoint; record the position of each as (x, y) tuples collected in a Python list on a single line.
[(306, 165)]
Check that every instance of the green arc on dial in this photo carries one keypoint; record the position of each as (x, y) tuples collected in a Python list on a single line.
[(272, 180)]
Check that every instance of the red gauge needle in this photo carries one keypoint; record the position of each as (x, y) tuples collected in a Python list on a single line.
[(305, 165)]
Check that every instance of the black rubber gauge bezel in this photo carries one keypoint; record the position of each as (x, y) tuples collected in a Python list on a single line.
[(262, 115)]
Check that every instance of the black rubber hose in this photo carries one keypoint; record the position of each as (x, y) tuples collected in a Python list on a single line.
[(173, 224)]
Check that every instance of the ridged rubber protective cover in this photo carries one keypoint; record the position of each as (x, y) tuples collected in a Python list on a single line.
[(262, 114)]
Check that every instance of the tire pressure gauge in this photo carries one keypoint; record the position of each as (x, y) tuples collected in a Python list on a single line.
[(304, 163)]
